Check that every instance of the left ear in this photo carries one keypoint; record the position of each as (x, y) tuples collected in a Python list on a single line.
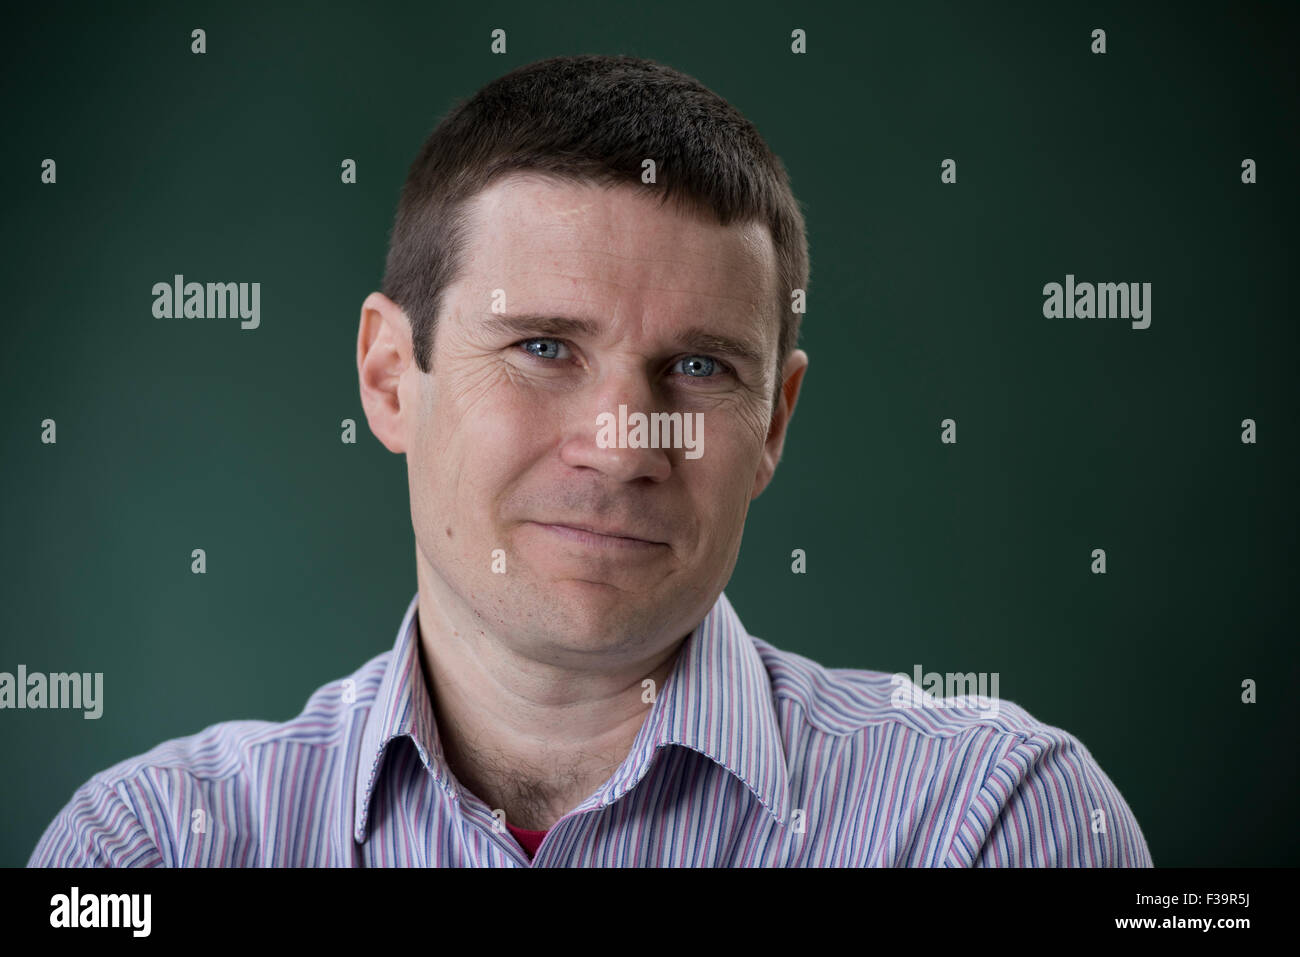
[(791, 379)]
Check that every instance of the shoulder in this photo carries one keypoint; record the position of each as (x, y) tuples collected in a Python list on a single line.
[(132, 812), (1007, 788), (847, 701), (231, 748)]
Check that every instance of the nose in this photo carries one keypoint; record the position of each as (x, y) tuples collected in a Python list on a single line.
[(598, 419)]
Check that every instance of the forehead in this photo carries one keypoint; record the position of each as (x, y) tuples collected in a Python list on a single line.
[(604, 252)]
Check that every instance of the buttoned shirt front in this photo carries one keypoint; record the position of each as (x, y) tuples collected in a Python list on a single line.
[(749, 756)]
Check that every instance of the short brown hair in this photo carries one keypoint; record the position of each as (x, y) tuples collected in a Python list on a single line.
[(590, 119)]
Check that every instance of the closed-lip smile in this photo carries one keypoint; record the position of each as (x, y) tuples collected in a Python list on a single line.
[(608, 538)]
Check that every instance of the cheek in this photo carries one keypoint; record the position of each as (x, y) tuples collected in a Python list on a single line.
[(486, 399), (719, 483), (480, 447), (731, 453)]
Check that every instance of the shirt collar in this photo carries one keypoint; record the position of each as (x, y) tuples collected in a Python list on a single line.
[(717, 700), (401, 707)]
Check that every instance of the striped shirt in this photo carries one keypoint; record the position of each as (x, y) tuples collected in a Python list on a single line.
[(749, 756)]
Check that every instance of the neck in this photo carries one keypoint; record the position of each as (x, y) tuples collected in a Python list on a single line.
[(526, 736)]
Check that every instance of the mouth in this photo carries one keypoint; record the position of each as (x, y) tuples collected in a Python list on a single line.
[(590, 537)]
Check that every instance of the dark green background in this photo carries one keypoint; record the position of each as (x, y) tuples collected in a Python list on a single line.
[(925, 303)]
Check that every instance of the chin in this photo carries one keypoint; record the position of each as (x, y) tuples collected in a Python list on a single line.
[(591, 615)]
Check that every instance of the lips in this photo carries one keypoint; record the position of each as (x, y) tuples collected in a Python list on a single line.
[(601, 535), (610, 532)]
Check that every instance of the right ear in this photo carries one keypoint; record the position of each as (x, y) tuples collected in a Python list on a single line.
[(383, 354)]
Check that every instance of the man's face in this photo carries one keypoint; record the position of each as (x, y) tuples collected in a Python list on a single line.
[(502, 437)]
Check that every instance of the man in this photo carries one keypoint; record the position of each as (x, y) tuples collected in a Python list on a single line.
[(587, 241)]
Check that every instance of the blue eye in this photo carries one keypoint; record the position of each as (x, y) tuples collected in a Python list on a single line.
[(553, 352), (698, 366)]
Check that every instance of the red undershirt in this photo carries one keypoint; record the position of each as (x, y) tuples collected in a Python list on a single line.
[(528, 840)]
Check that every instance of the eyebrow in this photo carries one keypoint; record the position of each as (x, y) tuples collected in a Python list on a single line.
[(694, 339)]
